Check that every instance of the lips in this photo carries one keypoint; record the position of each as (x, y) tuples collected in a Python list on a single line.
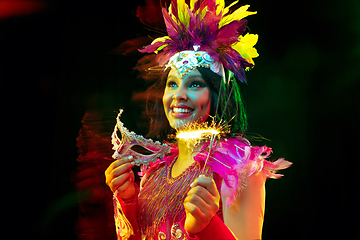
[(181, 111)]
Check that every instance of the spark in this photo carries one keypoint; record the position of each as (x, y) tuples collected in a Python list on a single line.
[(197, 133)]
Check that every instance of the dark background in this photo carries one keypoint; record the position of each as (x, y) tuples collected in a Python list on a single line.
[(56, 63)]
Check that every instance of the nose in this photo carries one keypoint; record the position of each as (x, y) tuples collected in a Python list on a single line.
[(180, 94)]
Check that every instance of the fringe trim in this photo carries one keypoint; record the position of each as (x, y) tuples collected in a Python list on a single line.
[(123, 227)]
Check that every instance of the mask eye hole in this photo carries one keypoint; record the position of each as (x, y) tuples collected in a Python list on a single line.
[(118, 133), (141, 150)]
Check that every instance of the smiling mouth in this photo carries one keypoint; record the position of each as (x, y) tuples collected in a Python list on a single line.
[(182, 110)]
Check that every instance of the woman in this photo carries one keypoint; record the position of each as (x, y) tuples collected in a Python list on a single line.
[(211, 189)]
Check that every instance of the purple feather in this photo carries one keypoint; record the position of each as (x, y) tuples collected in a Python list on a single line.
[(171, 26), (204, 32)]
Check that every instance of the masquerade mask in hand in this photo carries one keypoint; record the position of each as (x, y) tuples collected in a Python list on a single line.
[(143, 150)]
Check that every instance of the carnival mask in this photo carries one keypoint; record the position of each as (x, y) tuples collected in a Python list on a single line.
[(143, 150), (184, 62)]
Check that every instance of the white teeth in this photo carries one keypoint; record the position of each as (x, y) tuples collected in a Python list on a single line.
[(182, 110)]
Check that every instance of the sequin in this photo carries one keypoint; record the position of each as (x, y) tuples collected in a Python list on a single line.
[(186, 61), (162, 199), (176, 232), (161, 236)]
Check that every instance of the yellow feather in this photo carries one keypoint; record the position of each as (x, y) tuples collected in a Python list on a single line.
[(226, 10), (236, 15), (249, 40), (220, 4), (245, 47), (192, 4), (171, 14), (160, 39), (182, 12)]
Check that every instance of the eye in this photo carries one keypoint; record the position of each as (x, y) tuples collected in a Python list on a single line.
[(197, 85), (171, 84)]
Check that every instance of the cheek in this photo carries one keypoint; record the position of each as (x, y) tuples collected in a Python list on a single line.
[(204, 102), (208, 106), (166, 99)]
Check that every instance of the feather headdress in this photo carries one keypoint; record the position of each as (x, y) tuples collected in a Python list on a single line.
[(207, 25)]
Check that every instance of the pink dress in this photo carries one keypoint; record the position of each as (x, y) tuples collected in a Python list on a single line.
[(160, 212)]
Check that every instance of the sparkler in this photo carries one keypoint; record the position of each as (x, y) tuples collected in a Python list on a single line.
[(197, 133), (194, 133)]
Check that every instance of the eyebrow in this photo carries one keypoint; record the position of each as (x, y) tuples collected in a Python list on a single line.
[(196, 77), (173, 77)]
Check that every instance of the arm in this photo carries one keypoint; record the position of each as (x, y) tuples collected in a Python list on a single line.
[(201, 205), (125, 215), (245, 215), (120, 179)]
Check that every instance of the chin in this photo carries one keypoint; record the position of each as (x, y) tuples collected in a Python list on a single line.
[(179, 124)]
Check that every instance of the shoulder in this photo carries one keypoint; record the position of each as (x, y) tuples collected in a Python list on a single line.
[(237, 154), (226, 155), (235, 160)]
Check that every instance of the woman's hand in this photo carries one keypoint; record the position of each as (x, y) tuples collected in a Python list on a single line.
[(120, 177), (201, 204)]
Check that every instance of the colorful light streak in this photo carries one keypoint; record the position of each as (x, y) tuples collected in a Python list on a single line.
[(197, 133)]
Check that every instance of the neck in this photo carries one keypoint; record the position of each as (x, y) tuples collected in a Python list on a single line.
[(187, 151)]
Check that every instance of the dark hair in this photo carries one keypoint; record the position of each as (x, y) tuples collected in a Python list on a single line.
[(226, 102)]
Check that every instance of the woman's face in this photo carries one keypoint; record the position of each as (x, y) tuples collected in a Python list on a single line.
[(186, 100)]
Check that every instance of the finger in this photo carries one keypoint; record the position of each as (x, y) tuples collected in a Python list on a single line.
[(207, 183), (117, 163), (120, 170), (123, 169), (203, 193), (198, 202), (193, 210), (119, 181), (120, 162), (125, 185)]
